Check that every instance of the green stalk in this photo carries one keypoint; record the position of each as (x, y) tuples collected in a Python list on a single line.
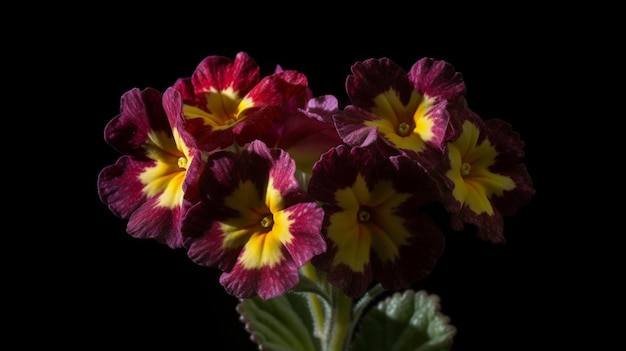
[(340, 321), (315, 303)]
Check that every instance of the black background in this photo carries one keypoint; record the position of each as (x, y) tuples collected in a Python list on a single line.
[(109, 289)]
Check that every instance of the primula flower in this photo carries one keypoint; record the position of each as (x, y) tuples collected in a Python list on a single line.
[(373, 224), (484, 175), (225, 101), (253, 221), (409, 111), (147, 185)]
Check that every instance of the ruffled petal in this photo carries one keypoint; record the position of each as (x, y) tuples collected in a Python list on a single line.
[(253, 221), (484, 175), (147, 185), (373, 221)]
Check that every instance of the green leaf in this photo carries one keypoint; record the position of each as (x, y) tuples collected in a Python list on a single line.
[(282, 323), (410, 321)]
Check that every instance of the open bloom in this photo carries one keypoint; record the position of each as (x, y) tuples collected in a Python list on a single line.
[(226, 101), (484, 175), (373, 224), (147, 184), (254, 222), (409, 111)]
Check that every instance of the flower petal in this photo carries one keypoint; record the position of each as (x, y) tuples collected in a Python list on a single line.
[(265, 282), (148, 183), (373, 221), (253, 219), (484, 175)]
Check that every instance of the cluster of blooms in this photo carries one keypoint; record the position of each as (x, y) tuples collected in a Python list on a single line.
[(256, 176)]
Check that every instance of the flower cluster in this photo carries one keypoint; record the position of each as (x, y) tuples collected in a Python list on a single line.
[(258, 177)]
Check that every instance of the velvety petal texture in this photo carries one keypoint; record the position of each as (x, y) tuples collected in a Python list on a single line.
[(485, 176), (407, 110), (373, 224), (147, 184), (253, 221), (226, 101)]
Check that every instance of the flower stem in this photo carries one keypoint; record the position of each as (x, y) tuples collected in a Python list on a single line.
[(316, 306), (339, 321)]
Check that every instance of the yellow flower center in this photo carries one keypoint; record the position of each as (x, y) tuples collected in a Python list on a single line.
[(224, 108), (465, 168), (267, 221), (474, 183), (364, 215), (368, 224), (182, 162), (406, 125), (165, 178), (404, 129)]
